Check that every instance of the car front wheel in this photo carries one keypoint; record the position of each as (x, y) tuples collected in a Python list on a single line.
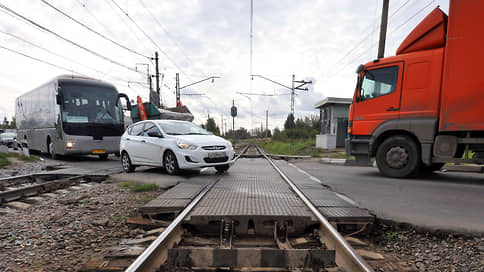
[(170, 163), (128, 167)]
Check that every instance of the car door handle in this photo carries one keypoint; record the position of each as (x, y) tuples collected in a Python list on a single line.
[(393, 109)]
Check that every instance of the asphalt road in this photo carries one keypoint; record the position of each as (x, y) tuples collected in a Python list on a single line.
[(445, 200)]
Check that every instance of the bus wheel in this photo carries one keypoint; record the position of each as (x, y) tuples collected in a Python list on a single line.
[(103, 157), (51, 149), (398, 157), (128, 167)]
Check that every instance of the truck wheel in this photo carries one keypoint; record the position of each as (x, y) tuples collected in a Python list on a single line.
[(398, 157)]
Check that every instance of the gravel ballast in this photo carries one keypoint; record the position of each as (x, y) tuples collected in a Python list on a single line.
[(61, 233)]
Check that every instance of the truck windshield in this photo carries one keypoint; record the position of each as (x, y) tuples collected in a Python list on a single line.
[(90, 104), (378, 82)]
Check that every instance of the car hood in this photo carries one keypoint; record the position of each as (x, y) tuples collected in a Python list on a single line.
[(201, 140)]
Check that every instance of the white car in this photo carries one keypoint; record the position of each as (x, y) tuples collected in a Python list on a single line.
[(173, 145)]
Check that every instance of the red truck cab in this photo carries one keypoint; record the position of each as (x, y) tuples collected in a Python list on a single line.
[(413, 111)]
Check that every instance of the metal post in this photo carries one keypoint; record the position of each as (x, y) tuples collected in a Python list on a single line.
[(177, 89), (267, 122), (383, 29), (157, 77), (292, 95)]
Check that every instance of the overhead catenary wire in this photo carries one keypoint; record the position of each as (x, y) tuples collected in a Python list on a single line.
[(59, 55), (42, 61), (94, 31), (358, 44), (27, 20), (392, 32), (169, 35), (72, 71), (150, 39)]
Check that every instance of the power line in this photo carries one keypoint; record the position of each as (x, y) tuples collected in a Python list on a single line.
[(127, 26), (168, 34), (358, 44), (67, 40), (93, 31), (393, 31), (57, 66), (411, 17), (59, 55), (42, 61), (149, 38)]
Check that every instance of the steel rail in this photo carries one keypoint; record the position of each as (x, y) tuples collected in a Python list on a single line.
[(145, 261), (349, 260)]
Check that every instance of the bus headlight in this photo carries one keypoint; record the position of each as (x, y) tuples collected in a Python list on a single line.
[(69, 145)]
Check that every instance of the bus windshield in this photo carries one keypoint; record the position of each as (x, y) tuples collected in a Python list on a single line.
[(90, 104)]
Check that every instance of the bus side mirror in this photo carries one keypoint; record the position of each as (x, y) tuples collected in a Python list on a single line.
[(128, 104), (58, 99)]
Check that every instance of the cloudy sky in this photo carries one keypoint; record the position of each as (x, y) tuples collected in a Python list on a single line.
[(323, 40)]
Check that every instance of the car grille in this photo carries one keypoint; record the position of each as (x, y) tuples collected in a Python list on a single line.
[(214, 147), (216, 160)]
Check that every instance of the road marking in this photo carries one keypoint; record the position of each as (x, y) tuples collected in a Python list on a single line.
[(306, 173), (347, 199)]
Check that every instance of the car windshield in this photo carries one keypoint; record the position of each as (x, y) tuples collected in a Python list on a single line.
[(182, 128)]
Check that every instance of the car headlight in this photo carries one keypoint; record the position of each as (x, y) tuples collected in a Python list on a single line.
[(183, 145)]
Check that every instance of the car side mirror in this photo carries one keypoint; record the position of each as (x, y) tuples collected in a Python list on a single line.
[(155, 134)]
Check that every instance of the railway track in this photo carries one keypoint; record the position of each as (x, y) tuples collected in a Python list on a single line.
[(20, 187), (197, 240)]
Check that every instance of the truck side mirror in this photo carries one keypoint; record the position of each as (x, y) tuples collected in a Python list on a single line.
[(360, 68)]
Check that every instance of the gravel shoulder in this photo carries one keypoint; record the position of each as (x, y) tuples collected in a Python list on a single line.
[(61, 233)]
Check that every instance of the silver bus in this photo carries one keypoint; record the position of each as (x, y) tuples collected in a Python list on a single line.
[(71, 115)]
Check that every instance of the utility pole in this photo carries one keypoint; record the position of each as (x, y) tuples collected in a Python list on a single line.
[(383, 29), (177, 89), (222, 124), (293, 87), (267, 122), (292, 94), (157, 77)]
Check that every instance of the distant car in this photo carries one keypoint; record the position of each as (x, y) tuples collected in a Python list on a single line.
[(173, 145), (8, 139)]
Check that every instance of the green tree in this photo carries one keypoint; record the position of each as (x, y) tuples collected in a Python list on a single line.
[(13, 124), (212, 126), (289, 124)]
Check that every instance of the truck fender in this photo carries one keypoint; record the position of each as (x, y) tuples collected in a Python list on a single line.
[(423, 129)]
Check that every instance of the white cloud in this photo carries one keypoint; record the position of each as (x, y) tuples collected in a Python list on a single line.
[(207, 38)]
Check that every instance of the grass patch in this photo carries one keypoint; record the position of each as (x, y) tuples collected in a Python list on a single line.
[(294, 147), (126, 184), (24, 158), (144, 187), (4, 160), (339, 155), (145, 199), (138, 187)]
